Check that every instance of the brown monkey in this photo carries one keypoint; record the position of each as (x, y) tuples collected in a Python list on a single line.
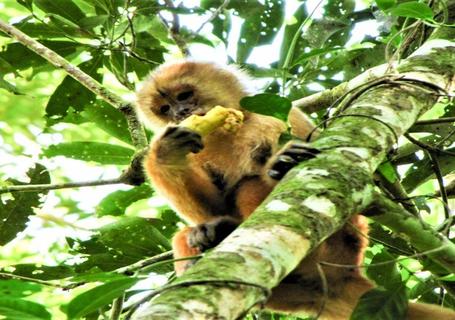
[(216, 182)]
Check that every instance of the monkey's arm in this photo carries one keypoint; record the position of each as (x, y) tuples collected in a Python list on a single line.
[(172, 171)]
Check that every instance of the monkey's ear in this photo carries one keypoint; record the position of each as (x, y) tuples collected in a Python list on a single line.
[(301, 125)]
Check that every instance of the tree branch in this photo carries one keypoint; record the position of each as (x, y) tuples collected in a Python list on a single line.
[(58, 61), (422, 237)]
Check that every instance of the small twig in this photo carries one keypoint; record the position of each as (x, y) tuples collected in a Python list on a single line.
[(45, 187), (116, 310), (174, 30), (144, 263), (427, 146), (383, 263), (325, 289), (18, 277), (214, 15), (440, 179), (133, 175), (434, 121)]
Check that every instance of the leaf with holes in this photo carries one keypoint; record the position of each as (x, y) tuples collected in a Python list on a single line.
[(380, 304), (117, 202), (103, 153), (268, 104), (15, 212)]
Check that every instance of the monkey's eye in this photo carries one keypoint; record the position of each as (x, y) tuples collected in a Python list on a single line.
[(182, 96), (164, 109)]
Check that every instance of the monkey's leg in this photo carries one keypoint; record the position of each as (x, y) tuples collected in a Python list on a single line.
[(192, 241)]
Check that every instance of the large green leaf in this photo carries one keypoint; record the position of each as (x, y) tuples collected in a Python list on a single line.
[(97, 297), (71, 94), (423, 170), (18, 309), (117, 202), (108, 119), (41, 272), (122, 243), (412, 9), (103, 153), (383, 270), (262, 23), (20, 57), (18, 288), (268, 104), (14, 213), (64, 8), (380, 304)]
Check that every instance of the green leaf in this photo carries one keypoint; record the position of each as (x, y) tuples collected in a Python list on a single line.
[(97, 297), (413, 9), (108, 119), (388, 171), (117, 202), (380, 304), (124, 242), (314, 53), (385, 4), (262, 23), (18, 288), (71, 94), (18, 309), (422, 170), (39, 271), (20, 57), (14, 213), (66, 9), (92, 22), (386, 272), (268, 104), (103, 153)]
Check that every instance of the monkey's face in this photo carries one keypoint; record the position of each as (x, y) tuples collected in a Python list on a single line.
[(178, 90)]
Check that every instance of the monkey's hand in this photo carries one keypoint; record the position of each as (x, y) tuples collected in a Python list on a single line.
[(176, 143), (208, 235), (228, 118), (292, 154)]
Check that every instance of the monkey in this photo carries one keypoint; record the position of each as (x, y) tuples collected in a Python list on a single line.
[(216, 182)]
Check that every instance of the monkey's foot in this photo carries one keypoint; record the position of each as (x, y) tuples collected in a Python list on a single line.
[(291, 155), (208, 235)]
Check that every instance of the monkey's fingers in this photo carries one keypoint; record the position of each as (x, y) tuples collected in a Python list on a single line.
[(229, 119), (183, 139), (292, 154)]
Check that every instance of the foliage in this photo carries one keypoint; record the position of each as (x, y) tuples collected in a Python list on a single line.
[(54, 129)]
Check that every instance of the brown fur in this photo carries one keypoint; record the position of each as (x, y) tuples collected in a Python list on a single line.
[(228, 178)]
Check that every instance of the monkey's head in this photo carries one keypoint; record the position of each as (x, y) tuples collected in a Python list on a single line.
[(177, 90)]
